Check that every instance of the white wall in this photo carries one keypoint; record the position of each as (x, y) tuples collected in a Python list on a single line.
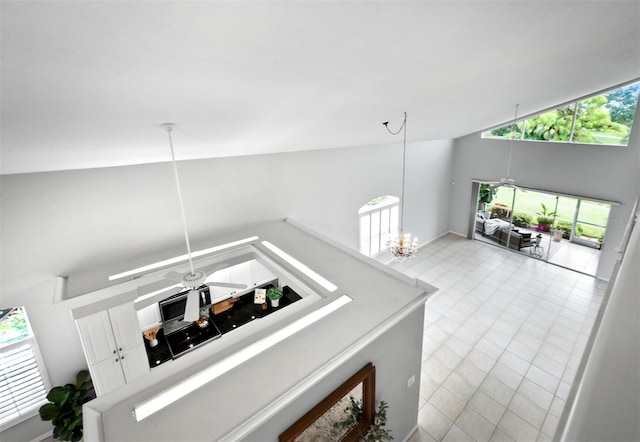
[(394, 364), (604, 172), (607, 404), (87, 223)]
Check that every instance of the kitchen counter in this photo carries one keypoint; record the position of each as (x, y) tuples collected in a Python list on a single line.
[(263, 391), (192, 337)]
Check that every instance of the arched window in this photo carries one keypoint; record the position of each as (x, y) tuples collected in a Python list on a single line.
[(378, 221)]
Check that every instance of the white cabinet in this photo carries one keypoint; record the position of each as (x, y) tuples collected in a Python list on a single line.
[(107, 375), (97, 337), (113, 346), (259, 273), (134, 363), (149, 316)]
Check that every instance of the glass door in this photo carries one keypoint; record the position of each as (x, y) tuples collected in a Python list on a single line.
[(562, 230)]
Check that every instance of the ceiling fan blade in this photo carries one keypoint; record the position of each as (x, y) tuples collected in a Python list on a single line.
[(211, 269), (192, 308), (174, 276)]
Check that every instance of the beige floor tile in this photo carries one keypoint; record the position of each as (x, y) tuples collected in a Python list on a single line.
[(535, 393), (434, 422), (500, 323), (459, 387), (445, 402), (456, 434), (475, 425), (487, 407), (517, 428), (421, 435), (497, 390), (527, 410)]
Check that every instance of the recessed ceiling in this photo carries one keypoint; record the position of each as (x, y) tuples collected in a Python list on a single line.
[(86, 84)]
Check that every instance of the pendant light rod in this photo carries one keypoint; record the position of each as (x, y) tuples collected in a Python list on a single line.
[(404, 162), (513, 125), (169, 127)]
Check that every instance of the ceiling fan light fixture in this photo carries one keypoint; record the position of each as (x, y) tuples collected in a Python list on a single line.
[(195, 279), (507, 181)]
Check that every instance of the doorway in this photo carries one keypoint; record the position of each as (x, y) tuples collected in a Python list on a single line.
[(567, 231)]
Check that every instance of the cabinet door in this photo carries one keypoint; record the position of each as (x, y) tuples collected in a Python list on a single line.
[(97, 337), (149, 317), (241, 273), (259, 273), (134, 363), (125, 325), (107, 375)]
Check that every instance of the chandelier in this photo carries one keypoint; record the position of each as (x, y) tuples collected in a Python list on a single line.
[(402, 245)]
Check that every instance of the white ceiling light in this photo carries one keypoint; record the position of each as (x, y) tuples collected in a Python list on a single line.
[(301, 267), (402, 245)]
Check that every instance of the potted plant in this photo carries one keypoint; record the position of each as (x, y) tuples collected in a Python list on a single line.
[(545, 218), (485, 196), (376, 432), (500, 210), (274, 295), (65, 407)]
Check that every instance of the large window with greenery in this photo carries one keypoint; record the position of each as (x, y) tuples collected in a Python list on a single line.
[(605, 118), (23, 382)]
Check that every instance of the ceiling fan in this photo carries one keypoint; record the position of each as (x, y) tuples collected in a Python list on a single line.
[(194, 279), (507, 181)]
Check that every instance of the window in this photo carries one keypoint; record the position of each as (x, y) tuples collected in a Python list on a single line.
[(604, 118), (23, 384), (378, 221)]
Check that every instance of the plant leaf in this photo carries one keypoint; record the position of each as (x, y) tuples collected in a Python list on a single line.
[(48, 412), (82, 378), (58, 395)]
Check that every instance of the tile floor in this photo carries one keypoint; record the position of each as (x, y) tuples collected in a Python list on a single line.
[(503, 338), (564, 253)]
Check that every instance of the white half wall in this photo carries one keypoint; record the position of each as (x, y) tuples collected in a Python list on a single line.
[(90, 223)]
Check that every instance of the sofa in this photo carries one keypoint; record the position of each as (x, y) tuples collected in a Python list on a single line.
[(502, 231)]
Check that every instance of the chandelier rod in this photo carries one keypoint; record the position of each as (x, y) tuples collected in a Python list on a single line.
[(169, 127), (404, 162)]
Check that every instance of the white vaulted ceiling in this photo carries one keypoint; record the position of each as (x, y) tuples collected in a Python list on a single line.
[(87, 83)]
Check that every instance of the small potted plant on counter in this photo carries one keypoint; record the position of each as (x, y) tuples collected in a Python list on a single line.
[(274, 295)]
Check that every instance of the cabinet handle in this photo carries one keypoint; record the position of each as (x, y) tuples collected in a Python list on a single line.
[(117, 359), (114, 352), (122, 357), (120, 349)]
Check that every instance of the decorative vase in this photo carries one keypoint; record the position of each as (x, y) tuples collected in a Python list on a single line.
[(153, 342)]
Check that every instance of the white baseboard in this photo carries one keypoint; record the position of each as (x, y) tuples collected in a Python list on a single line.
[(44, 436), (413, 430)]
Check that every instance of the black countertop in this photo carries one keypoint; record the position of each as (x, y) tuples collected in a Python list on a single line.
[(243, 311)]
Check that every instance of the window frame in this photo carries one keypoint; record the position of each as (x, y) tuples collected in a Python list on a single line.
[(573, 105), (25, 413), (367, 211)]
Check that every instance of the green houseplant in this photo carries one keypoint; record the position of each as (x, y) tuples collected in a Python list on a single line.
[(65, 407), (485, 195), (545, 218), (376, 432), (274, 294)]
